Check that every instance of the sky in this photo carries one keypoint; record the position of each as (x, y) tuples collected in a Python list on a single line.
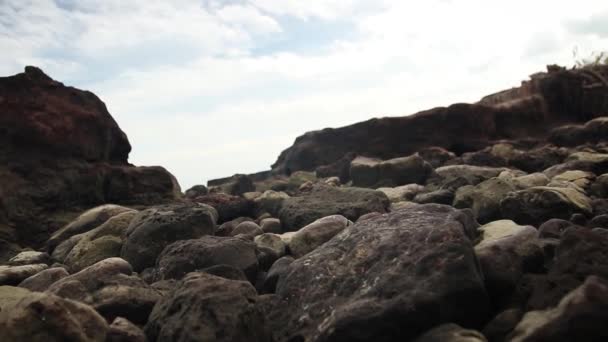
[(210, 88)]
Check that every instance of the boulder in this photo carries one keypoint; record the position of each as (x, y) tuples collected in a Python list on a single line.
[(271, 241), (196, 191), (451, 333), (599, 188), (531, 180), (539, 204), (271, 225), (402, 193), (593, 131), (42, 280), (454, 176), (204, 307), (121, 330), (368, 172), (228, 207), (41, 317), (226, 228), (539, 159), (315, 234), (153, 229), (182, 257), (484, 198), (596, 163), (581, 179), (13, 275), (297, 212), (270, 202), (580, 316), (29, 258), (248, 228), (385, 278), (554, 228)]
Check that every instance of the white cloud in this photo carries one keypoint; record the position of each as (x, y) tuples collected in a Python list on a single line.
[(194, 93)]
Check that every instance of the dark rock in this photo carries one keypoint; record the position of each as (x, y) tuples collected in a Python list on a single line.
[(39, 317), (226, 271), (153, 229), (235, 185), (539, 204), (121, 330), (453, 177), (599, 221), (372, 173), (8, 250), (600, 187), (593, 131), (228, 207), (270, 202), (436, 156), (315, 234), (502, 325), (484, 198), (196, 191), (580, 316), (278, 269), (324, 201), (388, 277), (483, 158), (42, 280), (441, 196), (29, 258), (204, 307), (182, 257), (596, 163), (249, 228), (13, 275), (539, 159), (226, 228), (553, 228), (451, 333)]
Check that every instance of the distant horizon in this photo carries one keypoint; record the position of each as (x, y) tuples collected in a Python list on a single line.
[(208, 89)]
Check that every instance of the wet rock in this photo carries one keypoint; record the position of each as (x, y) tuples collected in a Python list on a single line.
[(385, 273), (204, 307), (324, 201), (315, 234), (13, 275), (600, 187), (153, 229), (372, 173), (454, 176), (42, 280), (182, 257), (580, 316), (553, 228), (451, 333), (539, 204)]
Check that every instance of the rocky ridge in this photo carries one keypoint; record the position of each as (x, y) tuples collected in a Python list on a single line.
[(481, 222)]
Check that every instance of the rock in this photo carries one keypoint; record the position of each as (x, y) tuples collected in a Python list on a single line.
[(441, 196), (505, 253), (271, 225), (572, 135), (278, 269), (44, 317), (8, 250), (121, 330), (539, 159), (501, 326), (332, 181), (182, 257), (454, 176), (100, 243), (553, 228), (324, 201), (539, 204), (10, 295), (580, 316), (531, 180), (599, 188), (483, 158), (228, 207), (385, 273), (247, 228), (29, 258), (252, 195), (402, 193), (226, 228), (226, 271), (451, 333), (153, 229), (436, 156), (90, 219), (196, 191), (599, 221), (270, 202), (315, 234), (484, 198), (204, 307), (235, 185), (305, 187), (42, 280), (109, 288), (13, 275), (271, 241), (339, 168), (596, 163), (367, 172), (581, 179)]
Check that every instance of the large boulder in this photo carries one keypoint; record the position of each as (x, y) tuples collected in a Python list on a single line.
[(367, 172), (182, 257), (580, 316), (204, 307), (538, 204), (387, 277), (296, 212), (41, 317), (151, 230), (62, 152)]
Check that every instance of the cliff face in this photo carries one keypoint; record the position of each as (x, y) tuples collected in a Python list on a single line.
[(61, 151), (548, 100)]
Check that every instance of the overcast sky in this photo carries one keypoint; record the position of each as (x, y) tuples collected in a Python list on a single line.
[(211, 88)]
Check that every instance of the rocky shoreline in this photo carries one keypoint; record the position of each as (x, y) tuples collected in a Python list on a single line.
[(475, 222)]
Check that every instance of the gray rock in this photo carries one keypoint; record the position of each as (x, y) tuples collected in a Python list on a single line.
[(271, 225), (29, 258), (155, 228), (454, 176), (451, 333), (383, 278), (402, 193), (599, 188), (278, 269), (42, 280), (121, 330), (271, 241), (368, 172), (13, 275), (204, 307), (441, 196), (315, 234), (484, 198), (247, 228), (502, 325)]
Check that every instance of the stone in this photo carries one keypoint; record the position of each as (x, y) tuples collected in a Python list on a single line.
[(484, 198), (502, 325), (8, 250), (600, 221), (196, 191), (373, 173), (10, 295), (539, 204), (297, 212), (13, 275), (580, 316), (278, 269), (226, 228), (451, 333), (599, 188), (436, 156), (315, 234), (581, 179), (441, 196), (247, 228), (539, 159), (271, 225), (553, 228), (204, 307), (88, 220), (41, 317), (596, 163), (41, 281), (225, 271), (271, 241), (153, 229), (270, 202), (121, 330), (384, 278), (228, 207), (531, 180), (333, 181), (454, 176), (592, 131), (402, 193), (182, 257), (30, 257)]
